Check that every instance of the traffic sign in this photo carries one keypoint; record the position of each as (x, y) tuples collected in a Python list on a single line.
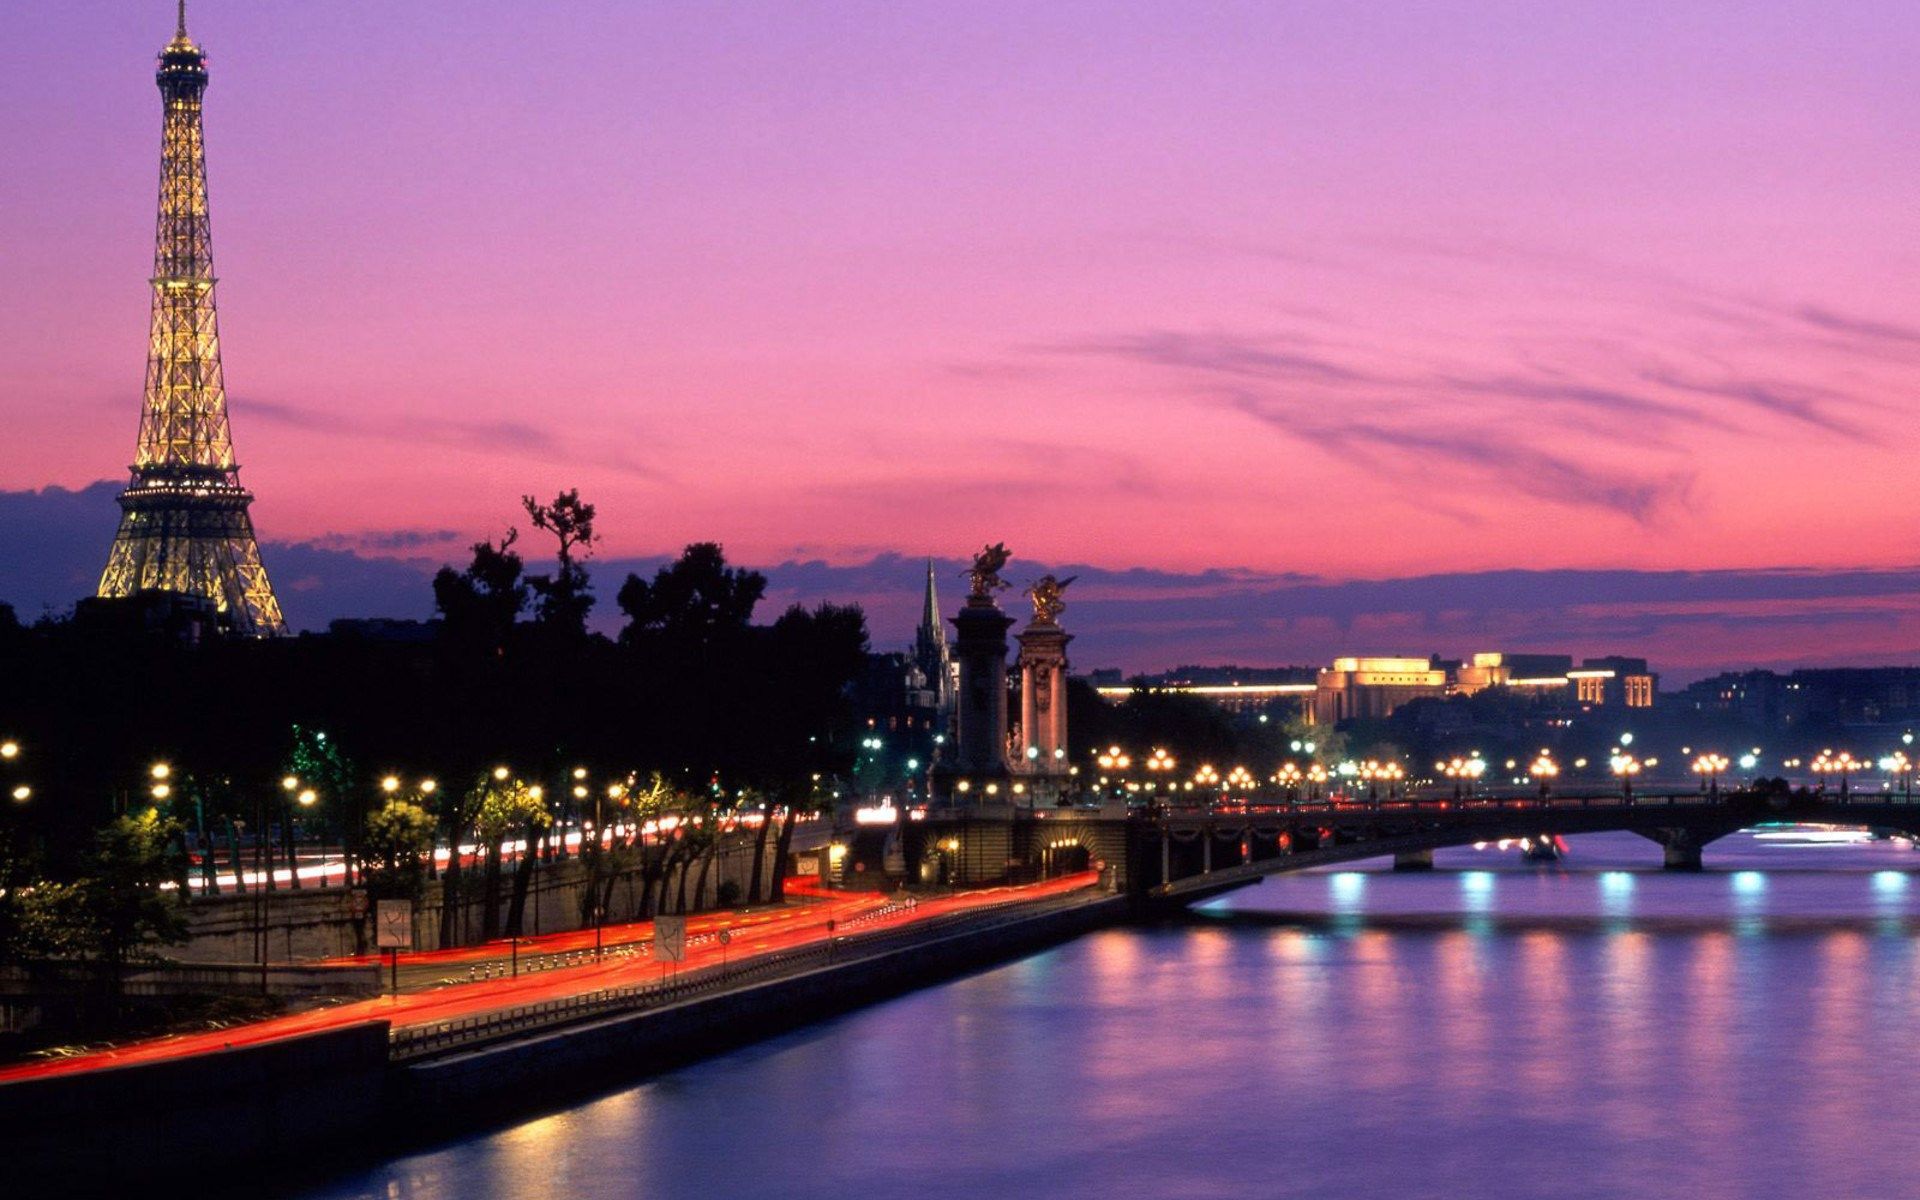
[(670, 939), (393, 925)]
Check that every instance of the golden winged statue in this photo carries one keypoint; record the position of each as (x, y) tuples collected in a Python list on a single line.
[(1045, 593), (985, 573)]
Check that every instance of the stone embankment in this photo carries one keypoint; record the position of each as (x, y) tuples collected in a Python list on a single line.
[(359, 1093)]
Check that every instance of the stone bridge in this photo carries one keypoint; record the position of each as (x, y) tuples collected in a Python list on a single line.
[(1184, 854)]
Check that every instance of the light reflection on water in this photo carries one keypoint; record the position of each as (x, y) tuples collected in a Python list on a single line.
[(1597, 1029)]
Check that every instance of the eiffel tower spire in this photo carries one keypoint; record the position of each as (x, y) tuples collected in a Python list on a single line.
[(184, 525)]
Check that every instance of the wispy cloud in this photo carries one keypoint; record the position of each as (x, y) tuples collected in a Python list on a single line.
[(1864, 327)]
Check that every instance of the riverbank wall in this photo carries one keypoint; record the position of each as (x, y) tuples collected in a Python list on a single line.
[(209, 1123), (263, 1120), (499, 1083)]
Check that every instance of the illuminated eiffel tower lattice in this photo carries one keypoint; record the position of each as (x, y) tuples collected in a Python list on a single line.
[(184, 526)]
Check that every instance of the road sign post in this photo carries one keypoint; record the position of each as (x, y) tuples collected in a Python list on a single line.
[(669, 940), (393, 932)]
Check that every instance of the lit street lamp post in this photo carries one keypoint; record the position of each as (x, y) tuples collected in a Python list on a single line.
[(1900, 767), (1842, 764), (1709, 767), (1544, 769), (1626, 766)]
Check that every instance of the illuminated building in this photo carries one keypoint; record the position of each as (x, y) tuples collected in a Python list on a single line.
[(1542, 673), (184, 525), (1248, 691), (1372, 687), (1614, 682)]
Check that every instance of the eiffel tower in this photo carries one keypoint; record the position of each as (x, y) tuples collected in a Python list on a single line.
[(183, 519)]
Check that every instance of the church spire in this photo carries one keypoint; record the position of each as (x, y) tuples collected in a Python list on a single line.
[(930, 610)]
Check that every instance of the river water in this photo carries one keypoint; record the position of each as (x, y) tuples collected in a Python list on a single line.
[(1493, 1029)]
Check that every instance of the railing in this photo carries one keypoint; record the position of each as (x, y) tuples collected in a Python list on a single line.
[(413, 1042), (518, 964)]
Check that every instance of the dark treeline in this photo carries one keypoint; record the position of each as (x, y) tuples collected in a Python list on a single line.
[(693, 709)]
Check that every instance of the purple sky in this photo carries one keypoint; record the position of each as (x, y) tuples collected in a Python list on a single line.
[(1343, 290)]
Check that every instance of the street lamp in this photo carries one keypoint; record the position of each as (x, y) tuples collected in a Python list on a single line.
[(1708, 767), (1842, 764), (1370, 771), (22, 793), (1545, 770), (1160, 761), (1463, 772), (9, 750), (1626, 766), (1900, 766)]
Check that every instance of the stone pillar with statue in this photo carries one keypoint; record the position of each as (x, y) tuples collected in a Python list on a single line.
[(976, 774), (1044, 759)]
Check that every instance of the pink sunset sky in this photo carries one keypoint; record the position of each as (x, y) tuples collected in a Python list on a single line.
[(1339, 289)]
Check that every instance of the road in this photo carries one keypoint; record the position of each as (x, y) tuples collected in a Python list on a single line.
[(756, 934)]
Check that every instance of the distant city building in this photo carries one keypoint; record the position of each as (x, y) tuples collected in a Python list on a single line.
[(1543, 671), (1614, 682), (177, 617), (1372, 687), (1236, 689), (1847, 696)]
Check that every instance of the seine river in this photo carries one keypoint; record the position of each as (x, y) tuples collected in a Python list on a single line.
[(1493, 1029)]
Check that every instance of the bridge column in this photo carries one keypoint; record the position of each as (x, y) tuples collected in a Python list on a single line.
[(1166, 858), (1206, 852), (1682, 855), (1681, 847), (1413, 860)]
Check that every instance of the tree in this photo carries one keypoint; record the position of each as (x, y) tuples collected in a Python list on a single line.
[(316, 762), (803, 728), (694, 602), (564, 598), (481, 603), (121, 896), (397, 840), (505, 807)]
